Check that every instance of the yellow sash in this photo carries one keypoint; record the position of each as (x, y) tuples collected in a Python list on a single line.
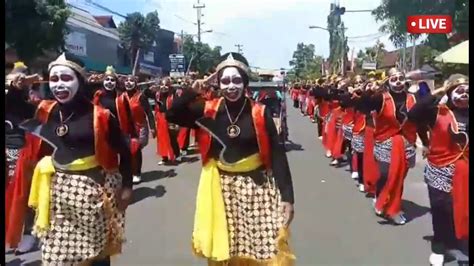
[(40, 191), (210, 234)]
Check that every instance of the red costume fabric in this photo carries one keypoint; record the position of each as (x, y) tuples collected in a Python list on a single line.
[(138, 113), (336, 137), (443, 152), (123, 117), (369, 165), (183, 137), (387, 126), (163, 147)]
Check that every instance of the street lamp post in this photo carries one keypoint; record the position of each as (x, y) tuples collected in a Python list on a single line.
[(341, 30)]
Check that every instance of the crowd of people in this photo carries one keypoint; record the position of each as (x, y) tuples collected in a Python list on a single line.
[(372, 123), (72, 159)]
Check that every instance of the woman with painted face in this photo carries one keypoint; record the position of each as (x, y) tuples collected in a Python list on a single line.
[(447, 169), (395, 139), (114, 101), (141, 112), (81, 191), (167, 135), (245, 195)]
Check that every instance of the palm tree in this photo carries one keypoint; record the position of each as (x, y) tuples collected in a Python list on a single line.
[(138, 32)]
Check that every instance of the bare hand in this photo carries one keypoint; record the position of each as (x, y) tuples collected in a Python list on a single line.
[(153, 133), (198, 86), (288, 213), (425, 151), (439, 92), (124, 197)]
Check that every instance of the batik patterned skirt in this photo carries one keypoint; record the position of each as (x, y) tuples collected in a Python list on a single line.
[(440, 178), (358, 142), (347, 131), (11, 156), (254, 218), (85, 223), (383, 152)]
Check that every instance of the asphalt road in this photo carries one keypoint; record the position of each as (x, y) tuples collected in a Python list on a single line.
[(334, 223)]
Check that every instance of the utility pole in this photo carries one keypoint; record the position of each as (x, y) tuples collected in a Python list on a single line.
[(239, 48), (413, 55), (182, 42), (344, 54), (198, 6), (404, 55)]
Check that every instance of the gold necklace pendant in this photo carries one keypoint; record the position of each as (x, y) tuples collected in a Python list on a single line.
[(62, 130), (233, 131)]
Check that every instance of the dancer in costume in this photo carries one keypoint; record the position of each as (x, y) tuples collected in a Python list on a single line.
[(167, 134), (447, 169), (81, 191), (141, 112), (18, 154), (395, 139), (245, 195), (112, 99)]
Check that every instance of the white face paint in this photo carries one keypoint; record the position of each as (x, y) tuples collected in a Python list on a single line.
[(130, 83), (460, 96), (63, 83), (110, 83), (397, 82), (232, 84)]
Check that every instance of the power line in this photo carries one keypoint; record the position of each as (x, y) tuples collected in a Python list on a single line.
[(90, 2), (367, 36), (185, 20)]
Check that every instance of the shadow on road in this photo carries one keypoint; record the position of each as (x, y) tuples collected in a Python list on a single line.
[(413, 210), (19, 262), (192, 151), (157, 175), (190, 159), (142, 193), (291, 146)]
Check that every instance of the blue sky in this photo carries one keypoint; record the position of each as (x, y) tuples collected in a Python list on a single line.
[(269, 30)]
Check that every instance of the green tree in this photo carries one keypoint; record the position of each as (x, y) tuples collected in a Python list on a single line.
[(200, 56), (138, 32), (33, 27), (371, 54), (394, 14), (305, 64)]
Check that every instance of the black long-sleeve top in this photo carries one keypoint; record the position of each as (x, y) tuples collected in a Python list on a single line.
[(17, 110), (108, 101), (374, 102), (146, 107), (188, 108), (346, 100), (322, 93), (79, 142), (425, 112), (161, 102)]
